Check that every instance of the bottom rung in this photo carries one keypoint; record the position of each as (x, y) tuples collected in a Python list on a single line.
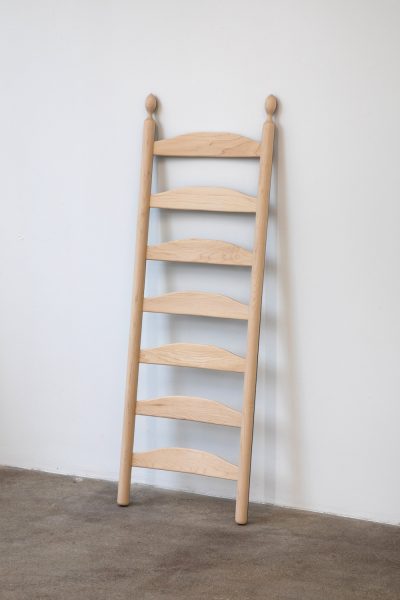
[(186, 460)]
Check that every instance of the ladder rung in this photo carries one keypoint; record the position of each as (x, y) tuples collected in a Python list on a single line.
[(205, 198), (216, 145), (194, 355), (186, 460), (212, 252), (190, 408), (201, 304)]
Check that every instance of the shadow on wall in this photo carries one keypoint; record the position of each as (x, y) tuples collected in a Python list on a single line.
[(227, 387), (288, 426)]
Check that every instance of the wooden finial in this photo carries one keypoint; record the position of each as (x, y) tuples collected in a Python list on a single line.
[(270, 106), (151, 105)]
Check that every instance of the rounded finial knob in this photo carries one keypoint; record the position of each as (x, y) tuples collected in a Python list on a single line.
[(151, 104), (270, 106)]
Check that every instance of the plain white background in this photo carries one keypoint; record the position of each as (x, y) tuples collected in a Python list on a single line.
[(74, 78)]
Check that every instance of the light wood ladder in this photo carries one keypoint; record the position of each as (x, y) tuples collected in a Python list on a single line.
[(217, 145)]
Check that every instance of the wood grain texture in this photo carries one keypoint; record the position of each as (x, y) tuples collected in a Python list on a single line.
[(190, 408), (186, 460), (203, 144), (212, 199), (213, 252), (198, 304), (199, 356)]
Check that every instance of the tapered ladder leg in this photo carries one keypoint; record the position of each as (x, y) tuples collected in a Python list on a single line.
[(137, 305), (253, 333)]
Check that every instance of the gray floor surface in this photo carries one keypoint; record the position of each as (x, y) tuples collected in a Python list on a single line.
[(62, 538)]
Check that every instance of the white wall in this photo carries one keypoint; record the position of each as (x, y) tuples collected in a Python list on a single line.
[(75, 75)]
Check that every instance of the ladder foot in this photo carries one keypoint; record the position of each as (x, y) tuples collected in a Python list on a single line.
[(123, 496), (123, 502)]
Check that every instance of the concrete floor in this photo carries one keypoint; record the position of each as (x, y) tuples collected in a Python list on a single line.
[(62, 538)]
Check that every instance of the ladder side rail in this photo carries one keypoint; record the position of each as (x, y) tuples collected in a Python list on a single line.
[(253, 332), (135, 330)]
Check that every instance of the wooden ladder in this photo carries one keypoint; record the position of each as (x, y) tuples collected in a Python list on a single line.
[(218, 145)]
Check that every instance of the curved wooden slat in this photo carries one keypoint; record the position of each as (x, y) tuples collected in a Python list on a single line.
[(186, 460), (201, 304), (200, 356), (213, 252), (210, 144), (205, 198), (189, 408)]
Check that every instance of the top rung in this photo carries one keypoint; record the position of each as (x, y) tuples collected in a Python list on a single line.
[(213, 145)]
